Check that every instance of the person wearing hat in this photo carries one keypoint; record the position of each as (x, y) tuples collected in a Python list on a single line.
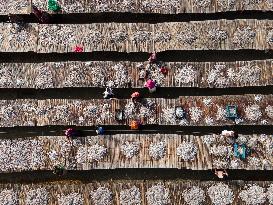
[(135, 96), (99, 130), (59, 170), (70, 133), (134, 125), (151, 85), (152, 58), (221, 173), (108, 93)]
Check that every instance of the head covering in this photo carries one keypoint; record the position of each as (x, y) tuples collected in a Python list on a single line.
[(53, 6), (78, 49), (135, 95), (164, 70), (69, 132), (150, 84), (152, 57), (134, 125)]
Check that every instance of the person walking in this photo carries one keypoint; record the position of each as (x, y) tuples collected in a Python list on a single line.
[(151, 85)]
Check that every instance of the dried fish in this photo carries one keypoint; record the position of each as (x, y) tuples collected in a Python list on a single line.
[(118, 36), (227, 4), (102, 196), (9, 197), (37, 197), (186, 75), (253, 195), (92, 37), (217, 35), (221, 150), (244, 37), (253, 112), (269, 37), (269, 111), (220, 194), (169, 115), (195, 113), (246, 74), (187, 151), (216, 76), (96, 152), (147, 5), (157, 150), (71, 199), (121, 77), (75, 7), (44, 78), (202, 3), (141, 36), (130, 196), (254, 163), (130, 149), (162, 37), (194, 196), (221, 113), (158, 195), (270, 194), (208, 139), (188, 36)]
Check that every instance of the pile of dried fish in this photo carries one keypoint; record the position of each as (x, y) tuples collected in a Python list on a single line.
[(96, 152), (131, 196), (216, 77), (157, 150), (253, 112), (216, 35), (130, 149), (158, 195), (9, 197), (102, 196), (195, 113), (253, 195), (71, 199), (270, 194), (187, 151), (202, 3), (243, 37), (37, 196), (269, 111), (186, 75), (141, 37), (188, 36), (194, 196), (220, 194), (169, 115)]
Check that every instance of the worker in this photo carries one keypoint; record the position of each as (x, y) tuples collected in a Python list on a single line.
[(152, 58), (226, 133), (151, 85), (78, 49), (108, 93), (99, 130), (59, 170), (134, 125), (71, 133), (135, 97), (221, 173), (164, 70)]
